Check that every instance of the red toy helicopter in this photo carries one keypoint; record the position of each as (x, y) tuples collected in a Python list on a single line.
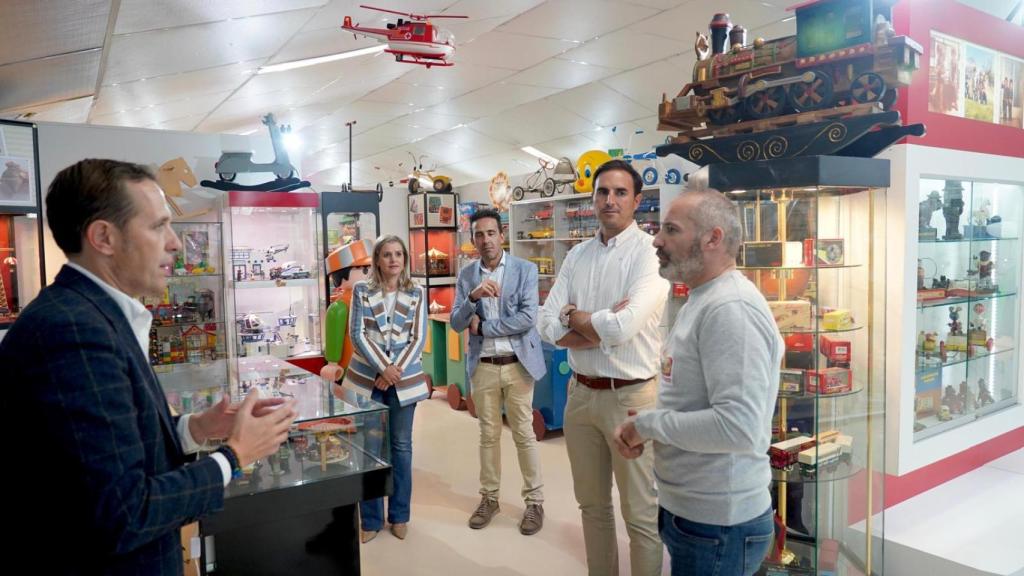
[(415, 41)]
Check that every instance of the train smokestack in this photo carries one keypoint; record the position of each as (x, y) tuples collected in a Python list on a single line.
[(737, 36), (720, 25)]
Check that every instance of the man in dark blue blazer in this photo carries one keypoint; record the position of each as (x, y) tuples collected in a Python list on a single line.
[(103, 481), (496, 299)]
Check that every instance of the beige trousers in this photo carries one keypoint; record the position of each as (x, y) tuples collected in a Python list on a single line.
[(509, 386), (590, 420)]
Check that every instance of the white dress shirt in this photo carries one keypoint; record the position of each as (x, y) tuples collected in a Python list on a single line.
[(141, 320), (500, 345), (595, 276)]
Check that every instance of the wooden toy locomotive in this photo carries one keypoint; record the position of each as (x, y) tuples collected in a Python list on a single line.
[(844, 52)]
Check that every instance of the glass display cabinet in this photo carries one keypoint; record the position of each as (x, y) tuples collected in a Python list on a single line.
[(188, 348), (274, 291), (297, 507), (433, 235), (814, 245), (968, 305), (21, 226)]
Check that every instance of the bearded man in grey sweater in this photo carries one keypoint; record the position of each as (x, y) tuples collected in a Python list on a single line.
[(719, 381)]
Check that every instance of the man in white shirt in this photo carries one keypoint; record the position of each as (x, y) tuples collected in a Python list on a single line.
[(109, 463), (605, 307)]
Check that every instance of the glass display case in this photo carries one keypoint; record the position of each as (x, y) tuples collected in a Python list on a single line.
[(543, 230), (21, 226), (274, 292), (187, 342), (433, 235), (968, 305), (331, 461), (814, 245)]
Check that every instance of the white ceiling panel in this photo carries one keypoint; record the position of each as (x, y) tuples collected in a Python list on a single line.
[(533, 122), (143, 15), (174, 50), (659, 4), (45, 80), (457, 79), (570, 147), (579, 20), (646, 84), (602, 105), (491, 10), (432, 122), (513, 51), (156, 113), (69, 26), (321, 42), (471, 142), (401, 93), (561, 74), (686, 20), (184, 124), (485, 167), (114, 97), (622, 49), (71, 111), (492, 99)]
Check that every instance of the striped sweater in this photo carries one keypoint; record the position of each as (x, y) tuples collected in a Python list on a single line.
[(379, 341)]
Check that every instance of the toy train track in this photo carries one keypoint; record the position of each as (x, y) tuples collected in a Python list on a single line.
[(765, 124), (825, 132)]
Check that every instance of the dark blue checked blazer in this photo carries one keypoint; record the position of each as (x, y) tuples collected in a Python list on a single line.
[(98, 482)]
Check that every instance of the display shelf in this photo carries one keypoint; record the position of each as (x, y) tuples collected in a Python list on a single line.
[(962, 300), (969, 240), (801, 267), (186, 324), (857, 389), (832, 473), (250, 284), (853, 328), (955, 358), (187, 276)]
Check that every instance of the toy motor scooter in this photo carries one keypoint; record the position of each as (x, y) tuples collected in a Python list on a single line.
[(231, 164)]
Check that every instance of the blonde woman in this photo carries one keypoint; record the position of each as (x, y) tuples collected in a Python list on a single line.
[(388, 324)]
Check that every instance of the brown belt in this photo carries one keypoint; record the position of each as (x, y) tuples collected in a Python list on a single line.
[(499, 360), (607, 383)]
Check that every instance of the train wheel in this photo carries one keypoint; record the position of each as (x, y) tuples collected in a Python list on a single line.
[(889, 99), (868, 87), (766, 103), (812, 95), (724, 116)]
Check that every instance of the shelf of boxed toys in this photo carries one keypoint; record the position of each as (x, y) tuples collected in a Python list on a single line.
[(278, 283), (963, 299), (954, 358), (853, 328)]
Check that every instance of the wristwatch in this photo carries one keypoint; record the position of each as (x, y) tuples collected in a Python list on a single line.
[(564, 316)]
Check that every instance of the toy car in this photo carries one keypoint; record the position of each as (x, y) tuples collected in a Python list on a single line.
[(290, 271), (540, 234)]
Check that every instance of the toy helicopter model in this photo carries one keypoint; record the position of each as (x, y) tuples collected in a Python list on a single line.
[(231, 163), (415, 41)]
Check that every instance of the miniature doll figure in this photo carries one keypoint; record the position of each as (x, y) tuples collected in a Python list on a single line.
[(966, 397), (984, 396), (984, 268), (950, 399), (978, 322), (920, 276), (952, 208), (955, 328)]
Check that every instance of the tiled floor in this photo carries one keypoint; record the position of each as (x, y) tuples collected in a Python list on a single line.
[(445, 492)]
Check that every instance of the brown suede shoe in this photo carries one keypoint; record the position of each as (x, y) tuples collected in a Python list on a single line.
[(533, 520), (367, 535), (484, 512), (400, 530)]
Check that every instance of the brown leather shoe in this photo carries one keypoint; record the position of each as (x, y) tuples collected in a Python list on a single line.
[(486, 510), (367, 535), (533, 520), (400, 530)]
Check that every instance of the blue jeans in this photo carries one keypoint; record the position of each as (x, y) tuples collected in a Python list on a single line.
[(706, 549), (400, 433)]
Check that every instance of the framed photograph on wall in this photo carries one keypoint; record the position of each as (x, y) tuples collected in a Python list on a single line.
[(945, 93), (1011, 92), (19, 178), (979, 83)]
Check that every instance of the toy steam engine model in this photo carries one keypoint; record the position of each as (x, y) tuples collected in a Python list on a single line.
[(844, 61)]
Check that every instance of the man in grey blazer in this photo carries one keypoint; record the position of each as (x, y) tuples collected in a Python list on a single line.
[(496, 299)]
